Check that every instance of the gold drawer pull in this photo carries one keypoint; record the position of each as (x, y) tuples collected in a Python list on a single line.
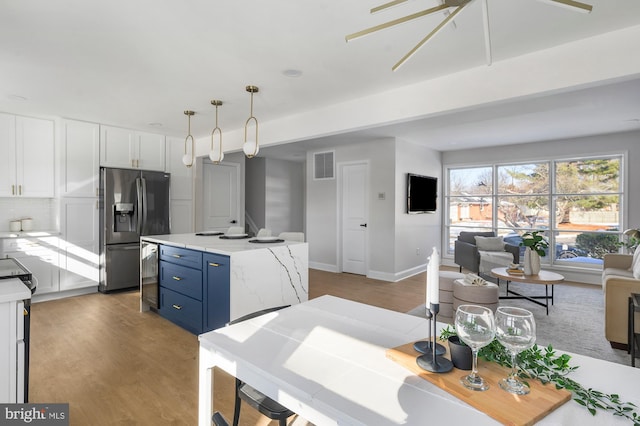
[(178, 307), (177, 278), (214, 264), (177, 256)]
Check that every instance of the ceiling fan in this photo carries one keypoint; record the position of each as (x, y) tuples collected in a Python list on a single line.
[(459, 5)]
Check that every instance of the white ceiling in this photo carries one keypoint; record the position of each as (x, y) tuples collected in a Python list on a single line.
[(134, 63)]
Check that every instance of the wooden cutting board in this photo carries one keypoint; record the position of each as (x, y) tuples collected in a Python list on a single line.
[(506, 408)]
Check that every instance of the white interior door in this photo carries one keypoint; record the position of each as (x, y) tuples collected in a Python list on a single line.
[(221, 198), (355, 214)]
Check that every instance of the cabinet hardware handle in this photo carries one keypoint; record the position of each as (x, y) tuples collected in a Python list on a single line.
[(19, 189), (138, 163), (13, 190), (177, 278), (97, 192), (214, 264), (176, 255), (178, 307), (133, 164)]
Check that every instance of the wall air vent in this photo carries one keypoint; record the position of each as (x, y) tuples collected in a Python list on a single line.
[(323, 165)]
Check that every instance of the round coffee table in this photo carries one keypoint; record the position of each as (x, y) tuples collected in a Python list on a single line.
[(546, 278)]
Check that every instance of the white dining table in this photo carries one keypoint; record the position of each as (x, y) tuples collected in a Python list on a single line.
[(325, 360)]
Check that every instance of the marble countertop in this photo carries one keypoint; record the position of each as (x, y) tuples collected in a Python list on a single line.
[(213, 244), (13, 289), (28, 234)]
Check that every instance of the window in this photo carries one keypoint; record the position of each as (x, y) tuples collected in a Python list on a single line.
[(576, 202)]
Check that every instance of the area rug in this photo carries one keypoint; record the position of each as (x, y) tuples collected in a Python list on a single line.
[(575, 322)]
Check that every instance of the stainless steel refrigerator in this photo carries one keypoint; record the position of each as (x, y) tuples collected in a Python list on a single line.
[(133, 203)]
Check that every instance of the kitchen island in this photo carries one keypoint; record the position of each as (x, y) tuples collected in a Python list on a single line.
[(205, 281)]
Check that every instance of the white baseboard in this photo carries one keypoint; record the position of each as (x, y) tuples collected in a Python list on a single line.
[(398, 276), (62, 294), (323, 266)]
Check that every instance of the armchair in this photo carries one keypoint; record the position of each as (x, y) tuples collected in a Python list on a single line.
[(619, 280), (467, 255)]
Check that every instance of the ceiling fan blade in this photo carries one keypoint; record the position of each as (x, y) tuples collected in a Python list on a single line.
[(387, 5), (435, 31), (394, 22), (487, 32), (570, 4)]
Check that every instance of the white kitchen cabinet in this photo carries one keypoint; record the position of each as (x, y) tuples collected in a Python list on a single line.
[(40, 256), (131, 149), (79, 243), (28, 157), (12, 345), (80, 159), (181, 176)]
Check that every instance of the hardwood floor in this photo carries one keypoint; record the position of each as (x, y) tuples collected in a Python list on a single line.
[(117, 366)]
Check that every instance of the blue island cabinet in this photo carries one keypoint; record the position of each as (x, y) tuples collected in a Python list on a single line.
[(194, 288), (216, 270)]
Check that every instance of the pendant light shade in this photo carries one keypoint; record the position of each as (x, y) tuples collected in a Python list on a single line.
[(250, 146), (216, 155), (187, 158)]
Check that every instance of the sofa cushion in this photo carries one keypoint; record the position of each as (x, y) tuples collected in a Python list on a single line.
[(489, 243), (609, 272), (469, 237)]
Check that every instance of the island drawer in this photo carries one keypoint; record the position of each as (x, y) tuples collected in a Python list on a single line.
[(187, 281), (181, 310), (181, 256)]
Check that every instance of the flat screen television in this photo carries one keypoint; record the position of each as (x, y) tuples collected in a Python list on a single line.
[(422, 193)]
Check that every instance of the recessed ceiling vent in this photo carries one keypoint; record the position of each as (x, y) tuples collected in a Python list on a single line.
[(323, 165)]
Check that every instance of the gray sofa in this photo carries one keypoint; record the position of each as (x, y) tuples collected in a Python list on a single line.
[(466, 253)]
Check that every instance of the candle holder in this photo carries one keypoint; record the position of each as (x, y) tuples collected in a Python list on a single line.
[(426, 346), (433, 362)]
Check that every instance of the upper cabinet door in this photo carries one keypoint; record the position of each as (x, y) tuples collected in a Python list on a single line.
[(35, 157), (117, 147), (151, 153), (130, 149), (181, 175), (8, 160), (80, 148)]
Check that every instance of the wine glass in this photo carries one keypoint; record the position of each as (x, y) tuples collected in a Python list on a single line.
[(475, 326), (516, 331)]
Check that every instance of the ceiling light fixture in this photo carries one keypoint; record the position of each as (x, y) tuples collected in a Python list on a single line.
[(187, 159), (250, 146), (446, 4), (216, 157)]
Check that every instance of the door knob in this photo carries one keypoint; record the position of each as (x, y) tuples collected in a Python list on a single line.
[(234, 221), (364, 225)]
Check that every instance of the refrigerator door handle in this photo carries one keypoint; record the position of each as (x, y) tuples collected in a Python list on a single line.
[(140, 205), (145, 228)]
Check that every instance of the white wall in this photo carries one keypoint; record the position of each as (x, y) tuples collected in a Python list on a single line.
[(415, 234), (626, 143), (255, 195), (284, 204), (394, 235), (43, 211)]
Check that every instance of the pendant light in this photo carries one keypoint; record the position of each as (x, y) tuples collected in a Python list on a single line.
[(187, 159), (250, 146), (216, 156)]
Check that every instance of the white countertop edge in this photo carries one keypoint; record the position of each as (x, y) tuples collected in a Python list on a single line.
[(13, 289), (29, 234), (208, 243)]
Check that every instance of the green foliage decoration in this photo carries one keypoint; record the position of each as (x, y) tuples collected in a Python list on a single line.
[(535, 242), (545, 365)]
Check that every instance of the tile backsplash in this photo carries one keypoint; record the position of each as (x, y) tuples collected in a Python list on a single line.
[(41, 210)]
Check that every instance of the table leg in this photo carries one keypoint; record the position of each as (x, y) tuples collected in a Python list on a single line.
[(205, 388), (546, 297)]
